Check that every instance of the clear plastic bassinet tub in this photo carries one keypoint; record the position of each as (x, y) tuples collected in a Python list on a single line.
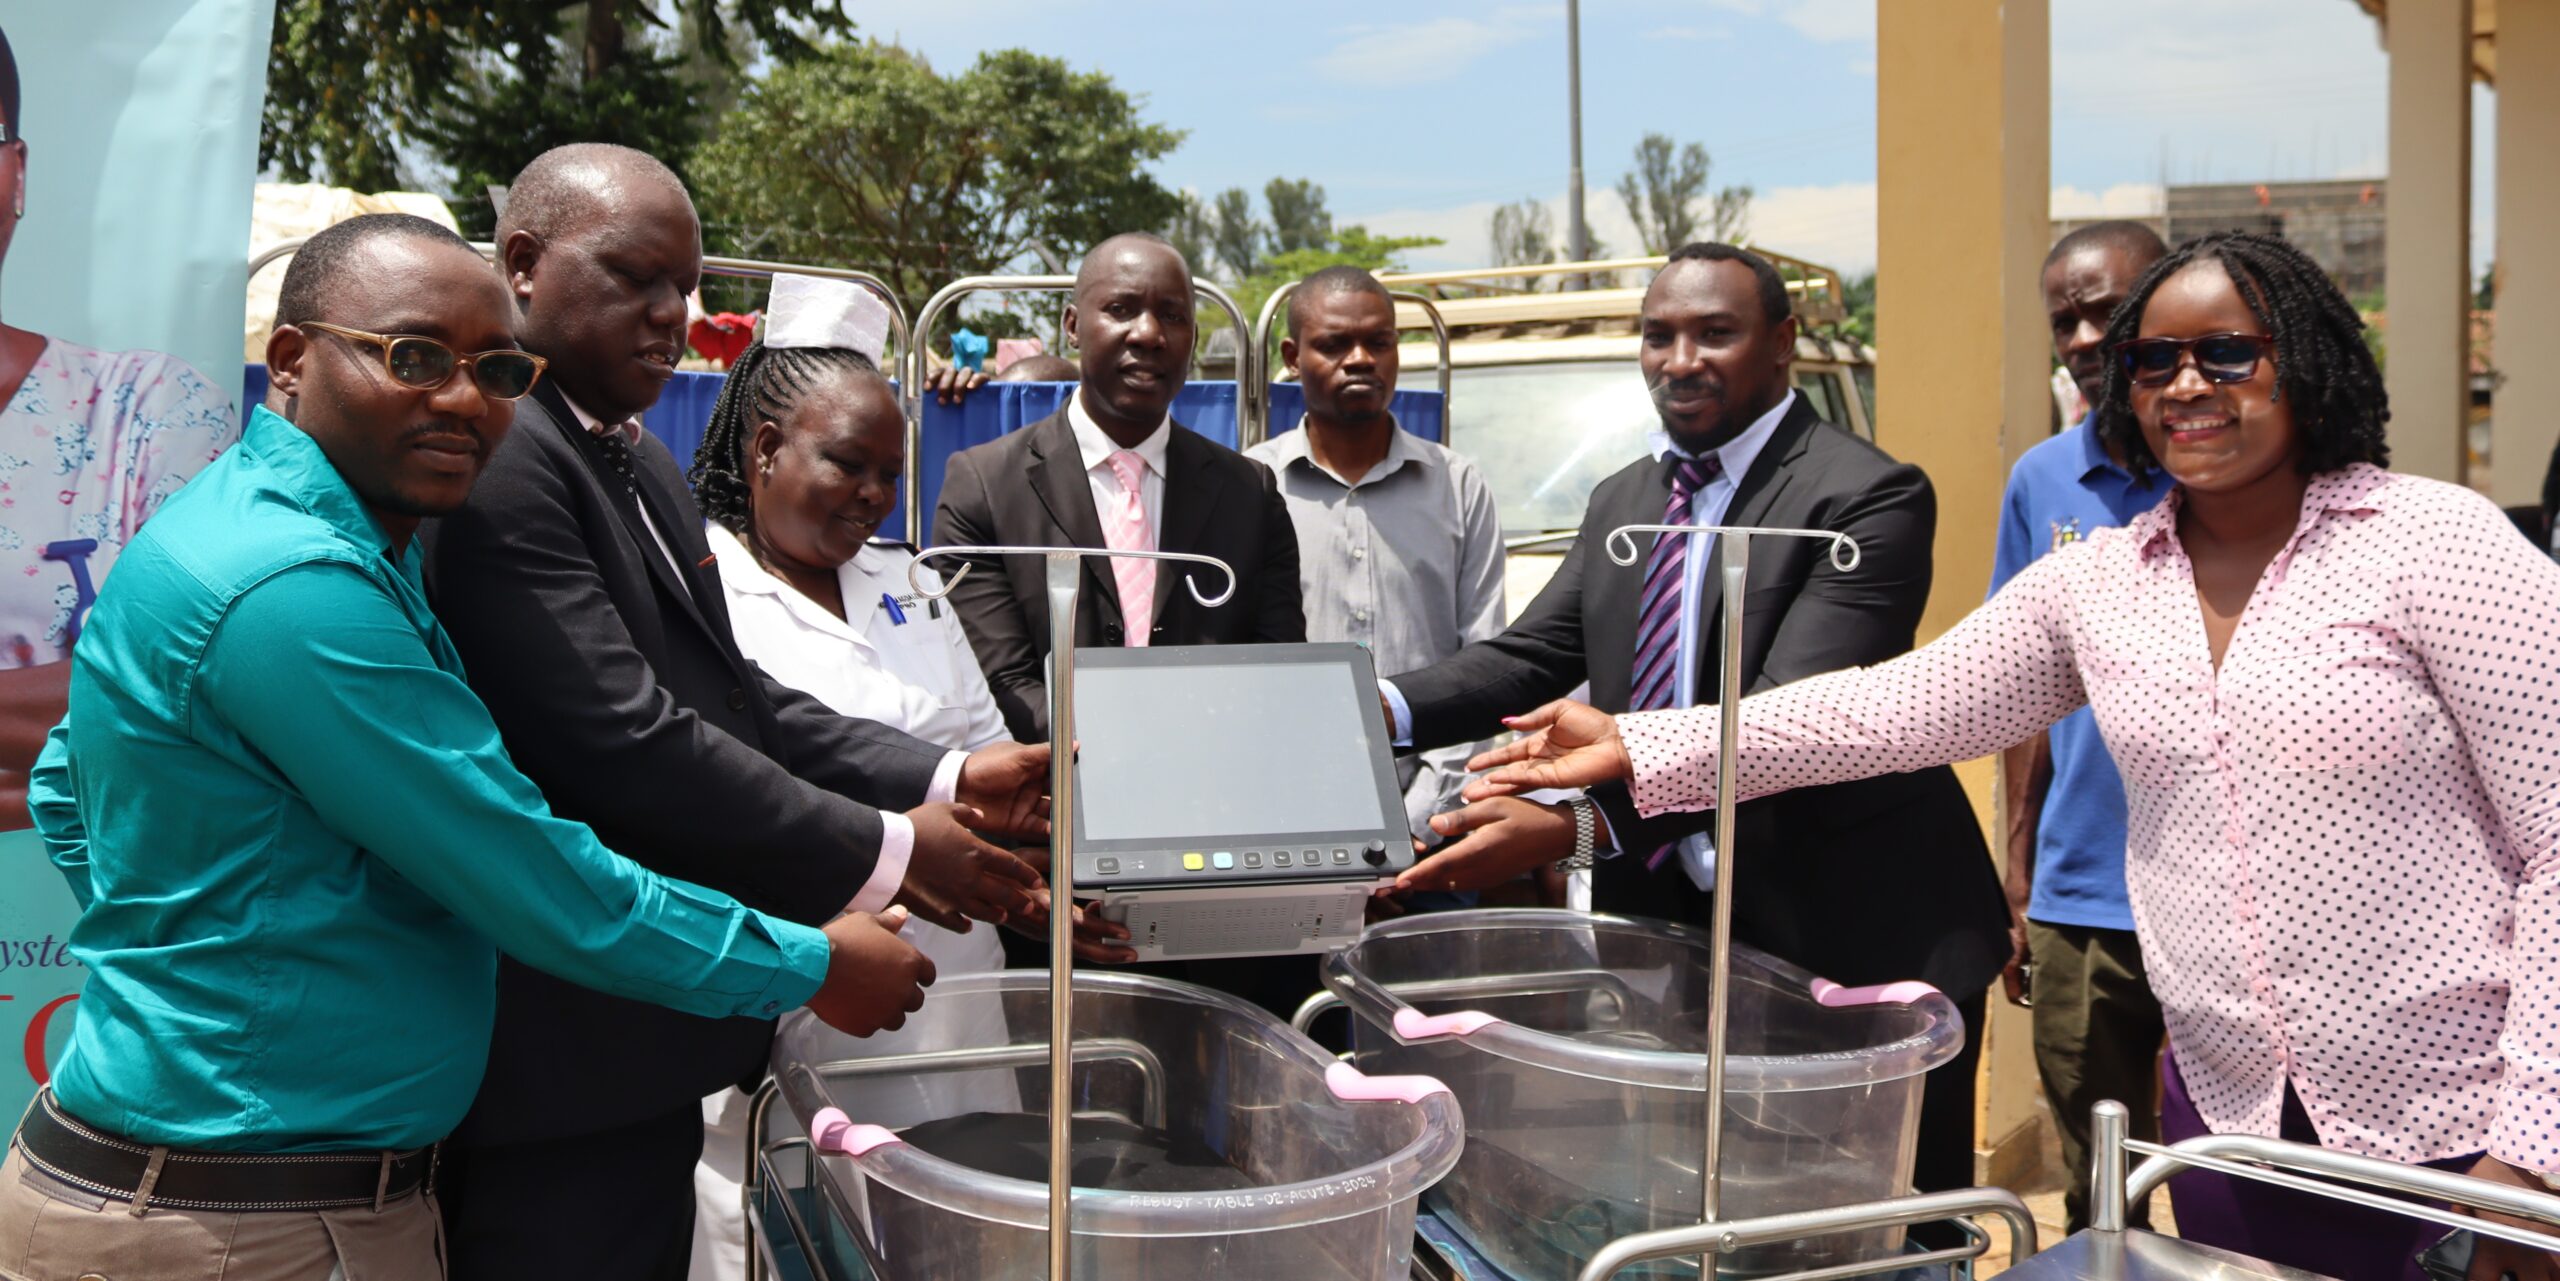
[(1574, 1043), (1212, 1141)]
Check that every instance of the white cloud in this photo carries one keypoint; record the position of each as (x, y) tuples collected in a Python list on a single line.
[(1830, 21), (1440, 49), (2123, 200)]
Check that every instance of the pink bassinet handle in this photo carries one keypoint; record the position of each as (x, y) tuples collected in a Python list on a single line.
[(1828, 993), (834, 1132)]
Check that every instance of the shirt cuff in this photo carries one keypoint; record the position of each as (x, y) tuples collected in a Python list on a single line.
[(897, 845), (805, 953), (1399, 715), (1674, 758), (945, 787)]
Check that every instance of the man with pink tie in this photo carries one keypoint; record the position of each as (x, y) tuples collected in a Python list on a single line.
[(1114, 470)]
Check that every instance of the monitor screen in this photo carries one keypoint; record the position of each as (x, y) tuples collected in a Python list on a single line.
[(1227, 749)]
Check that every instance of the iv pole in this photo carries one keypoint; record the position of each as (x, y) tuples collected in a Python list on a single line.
[(1733, 558), (1066, 576)]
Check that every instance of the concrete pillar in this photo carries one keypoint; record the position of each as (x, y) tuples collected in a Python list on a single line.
[(1963, 182), (2527, 404), (2427, 257)]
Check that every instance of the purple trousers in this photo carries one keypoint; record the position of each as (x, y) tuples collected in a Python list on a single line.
[(2280, 1225)]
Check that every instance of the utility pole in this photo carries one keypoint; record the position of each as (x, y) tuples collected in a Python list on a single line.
[(1577, 234)]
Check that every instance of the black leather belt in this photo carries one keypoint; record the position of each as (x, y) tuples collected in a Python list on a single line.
[(91, 1159)]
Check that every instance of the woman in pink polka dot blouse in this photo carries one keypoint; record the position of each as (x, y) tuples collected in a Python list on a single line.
[(2334, 693)]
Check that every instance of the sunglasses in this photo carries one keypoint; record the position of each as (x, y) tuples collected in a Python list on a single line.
[(2222, 358), (423, 364)]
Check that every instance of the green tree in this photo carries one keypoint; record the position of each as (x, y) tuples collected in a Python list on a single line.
[(485, 85), (1298, 216), (1352, 246), (1189, 231), (1235, 234), (1663, 194), (861, 155), (1523, 234), (1858, 297)]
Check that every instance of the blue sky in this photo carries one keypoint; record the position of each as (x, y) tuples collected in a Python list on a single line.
[(1418, 117)]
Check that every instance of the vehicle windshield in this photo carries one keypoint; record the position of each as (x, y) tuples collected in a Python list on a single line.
[(1545, 435)]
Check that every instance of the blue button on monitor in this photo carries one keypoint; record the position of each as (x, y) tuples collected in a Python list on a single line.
[(1223, 861)]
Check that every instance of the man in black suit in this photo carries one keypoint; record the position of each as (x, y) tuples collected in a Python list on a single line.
[(576, 585), (1868, 882), (1131, 322)]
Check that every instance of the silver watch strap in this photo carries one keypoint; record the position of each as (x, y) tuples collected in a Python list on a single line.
[(1585, 835)]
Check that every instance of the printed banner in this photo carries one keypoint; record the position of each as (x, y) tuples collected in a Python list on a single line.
[(139, 126)]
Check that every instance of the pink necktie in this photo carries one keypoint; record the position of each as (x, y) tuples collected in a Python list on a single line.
[(1124, 529)]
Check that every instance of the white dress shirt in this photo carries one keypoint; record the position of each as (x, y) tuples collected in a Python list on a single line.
[(1707, 507), (1095, 450)]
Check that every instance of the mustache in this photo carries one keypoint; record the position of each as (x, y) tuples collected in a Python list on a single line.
[(425, 431), (1671, 389)]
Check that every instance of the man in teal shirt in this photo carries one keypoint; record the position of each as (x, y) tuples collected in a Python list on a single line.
[(299, 844)]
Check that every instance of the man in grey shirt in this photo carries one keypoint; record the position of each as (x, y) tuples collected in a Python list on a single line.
[(1398, 545)]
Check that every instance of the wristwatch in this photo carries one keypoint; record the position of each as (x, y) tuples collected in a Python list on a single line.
[(1585, 835)]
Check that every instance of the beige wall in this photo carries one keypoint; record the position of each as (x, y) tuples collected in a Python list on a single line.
[(2527, 401), (1963, 161), (2427, 262)]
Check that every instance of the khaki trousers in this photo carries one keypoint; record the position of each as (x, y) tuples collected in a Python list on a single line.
[(2098, 1032), (51, 1231)]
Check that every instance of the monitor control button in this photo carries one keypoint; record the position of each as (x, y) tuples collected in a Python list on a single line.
[(1279, 858), (1376, 853), (1253, 858), (1341, 856), (1223, 861), (1107, 866), (1193, 862)]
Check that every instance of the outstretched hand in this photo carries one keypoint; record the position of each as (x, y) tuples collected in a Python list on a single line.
[(1008, 784), (1563, 744)]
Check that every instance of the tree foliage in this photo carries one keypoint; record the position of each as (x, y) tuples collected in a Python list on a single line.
[(1665, 193), (482, 86), (1352, 246), (861, 155), (1235, 235), (1298, 217), (1524, 234)]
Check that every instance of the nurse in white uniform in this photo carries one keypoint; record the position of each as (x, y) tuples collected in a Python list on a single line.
[(798, 468)]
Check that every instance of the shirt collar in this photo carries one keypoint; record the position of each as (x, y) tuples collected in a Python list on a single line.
[(628, 429), (1096, 448), (1735, 455), (1402, 448), (303, 471), (2355, 489), (742, 572), (2093, 451)]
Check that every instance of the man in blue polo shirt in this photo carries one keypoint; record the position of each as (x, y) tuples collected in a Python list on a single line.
[(2097, 1026)]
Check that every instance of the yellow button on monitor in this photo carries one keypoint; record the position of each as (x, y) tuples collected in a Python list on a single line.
[(1193, 862)]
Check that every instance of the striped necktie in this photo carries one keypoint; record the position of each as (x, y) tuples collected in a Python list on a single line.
[(1658, 618)]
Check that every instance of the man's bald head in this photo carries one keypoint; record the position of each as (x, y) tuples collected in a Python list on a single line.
[(581, 180), (601, 246), (1132, 324), (1103, 259)]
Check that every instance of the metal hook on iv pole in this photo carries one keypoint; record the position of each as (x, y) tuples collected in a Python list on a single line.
[(953, 583), (1065, 583), (1733, 561), (1622, 544)]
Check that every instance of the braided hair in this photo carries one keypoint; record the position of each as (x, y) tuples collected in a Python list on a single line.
[(2322, 365), (764, 384)]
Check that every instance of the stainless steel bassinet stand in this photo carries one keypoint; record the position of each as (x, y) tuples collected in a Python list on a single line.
[(1065, 580), (1714, 1234)]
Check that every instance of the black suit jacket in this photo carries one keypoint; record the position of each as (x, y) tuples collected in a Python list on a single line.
[(1029, 489), (619, 690), (1867, 882)]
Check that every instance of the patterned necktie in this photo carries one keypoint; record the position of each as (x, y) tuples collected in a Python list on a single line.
[(1125, 529), (1658, 620), (615, 438)]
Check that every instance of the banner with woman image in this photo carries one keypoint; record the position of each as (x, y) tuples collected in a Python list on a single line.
[(128, 155)]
